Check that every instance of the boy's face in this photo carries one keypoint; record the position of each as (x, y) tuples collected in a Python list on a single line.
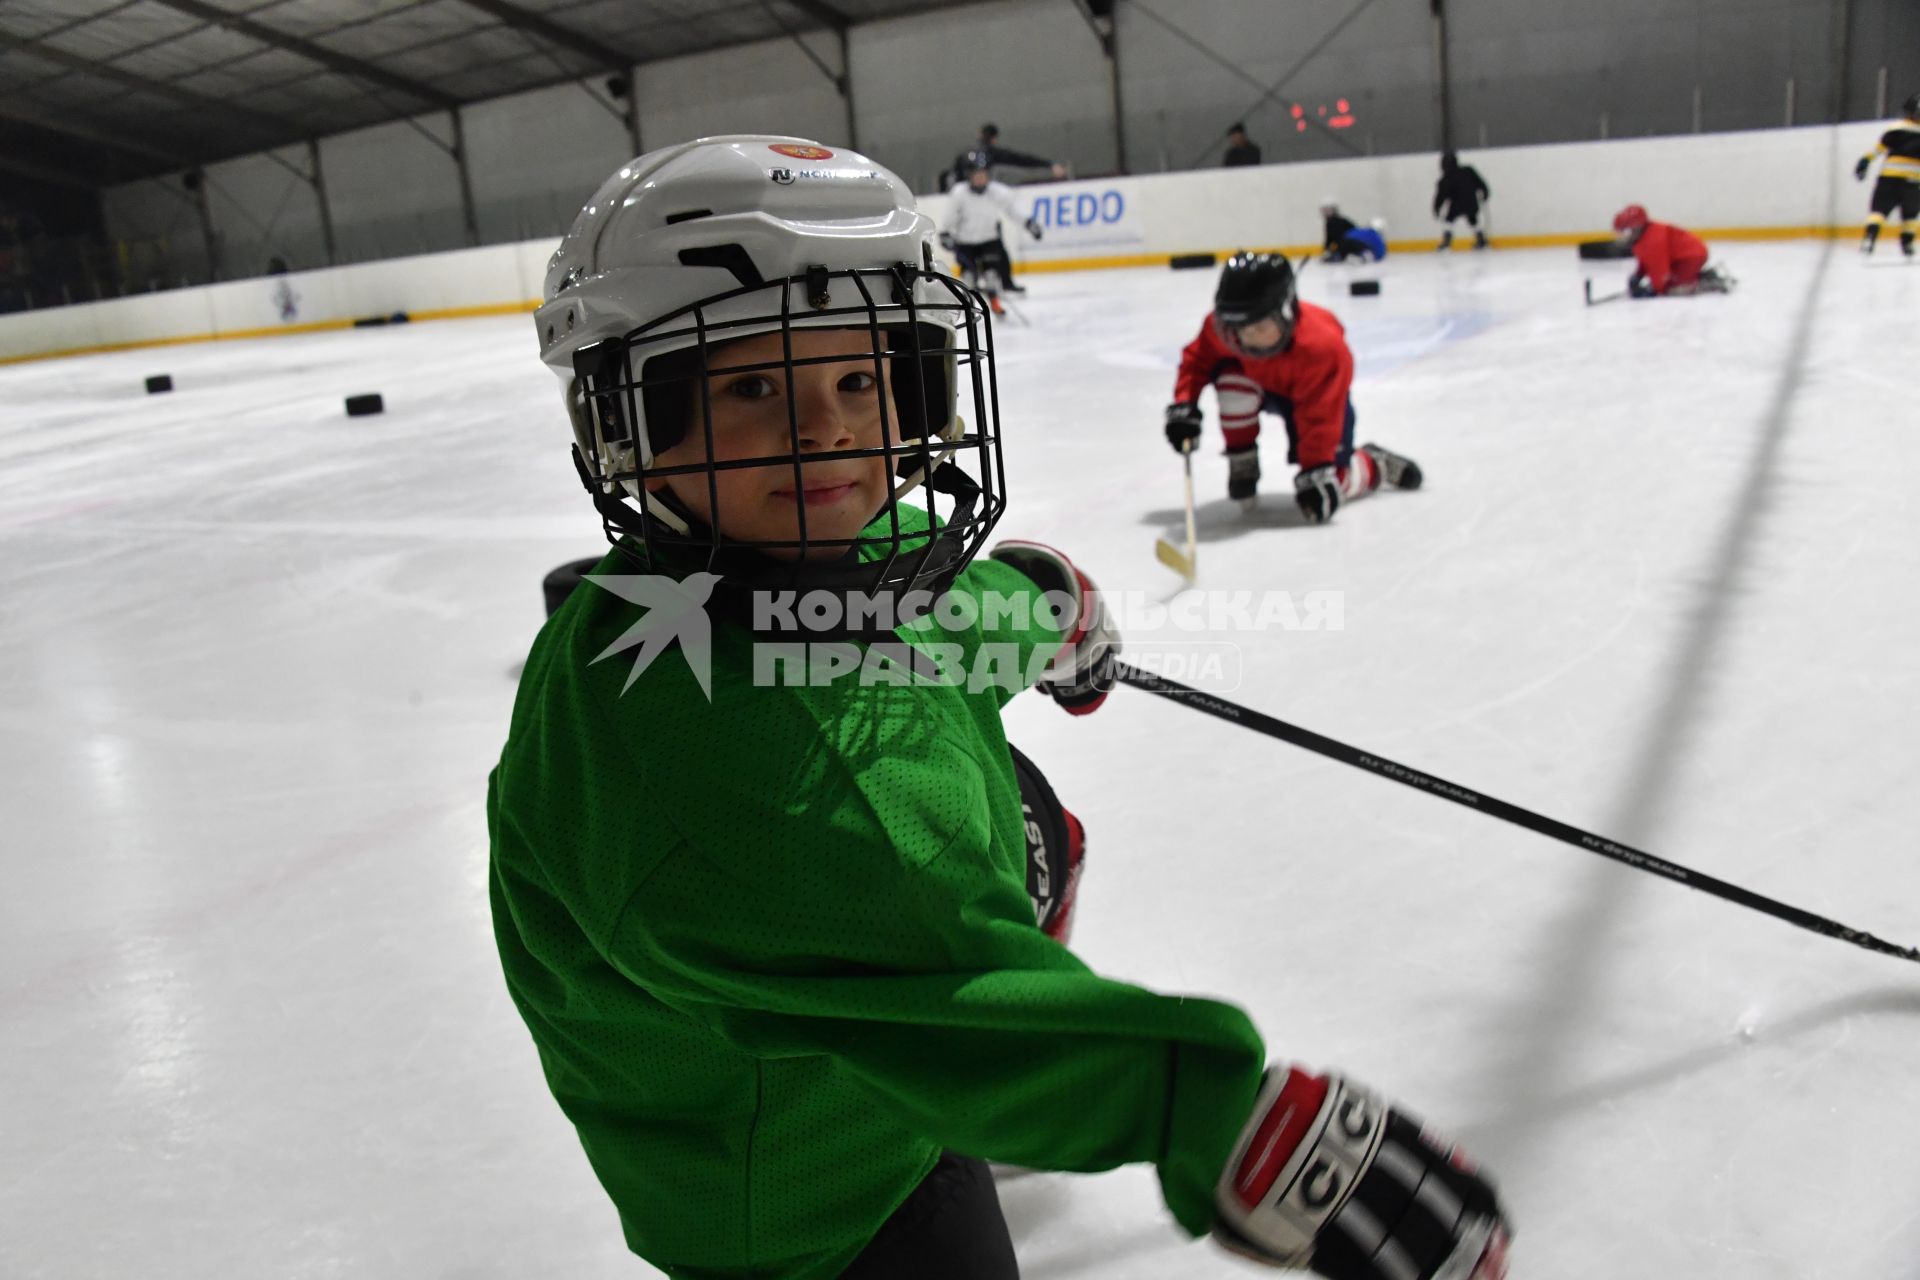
[(837, 405), (1263, 334), (978, 179)]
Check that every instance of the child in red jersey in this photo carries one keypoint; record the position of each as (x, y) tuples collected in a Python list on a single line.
[(1673, 261), (1262, 349)]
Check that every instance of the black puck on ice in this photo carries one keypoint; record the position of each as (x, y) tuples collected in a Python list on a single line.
[(1188, 261), (560, 583), (159, 382), (1363, 289), (365, 406)]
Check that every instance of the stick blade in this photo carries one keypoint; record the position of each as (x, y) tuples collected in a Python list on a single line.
[(1174, 558)]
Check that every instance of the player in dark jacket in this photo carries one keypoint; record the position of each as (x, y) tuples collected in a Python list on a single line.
[(1898, 190), (1241, 150), (987, 147), (1458, 195), (1343, 240)]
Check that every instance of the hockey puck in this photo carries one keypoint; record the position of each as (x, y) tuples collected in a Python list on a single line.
[(1189, 261), (159, 382), (1363, 289), (365, 406), (560, 583)]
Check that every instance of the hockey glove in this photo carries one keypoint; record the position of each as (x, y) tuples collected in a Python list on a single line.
[(1033, 227), (1640, 287), (1081, 674), (1329, 1177), (1860, 170), (1317, 491), (1183, 425), (946, 241)]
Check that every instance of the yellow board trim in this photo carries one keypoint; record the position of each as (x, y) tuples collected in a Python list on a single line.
[(1103, 263)]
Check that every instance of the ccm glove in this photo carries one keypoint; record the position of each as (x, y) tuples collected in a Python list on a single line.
[(1329, 1177), (1081, 674), (1033, 227), (1860, 170)]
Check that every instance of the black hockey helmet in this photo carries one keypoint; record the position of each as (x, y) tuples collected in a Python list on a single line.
[(976, 161), (1912, 106), (1255, 287)]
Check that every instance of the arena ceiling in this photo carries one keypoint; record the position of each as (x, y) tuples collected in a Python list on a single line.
[(94, 92)]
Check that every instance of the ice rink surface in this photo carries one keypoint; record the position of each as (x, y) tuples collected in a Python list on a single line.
[(256, 659)]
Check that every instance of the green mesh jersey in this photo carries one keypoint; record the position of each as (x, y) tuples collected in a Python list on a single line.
[(776, 952)]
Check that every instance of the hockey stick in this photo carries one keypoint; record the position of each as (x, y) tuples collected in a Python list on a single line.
[(1170, 555), (1605, 297), (1579, 839)]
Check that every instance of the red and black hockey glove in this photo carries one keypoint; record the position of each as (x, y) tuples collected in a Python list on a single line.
[(1081, 674), (1317, 491), (1329, 1177)]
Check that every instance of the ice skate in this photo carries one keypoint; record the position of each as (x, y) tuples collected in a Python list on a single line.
[(1397, 471), (1243, 477)]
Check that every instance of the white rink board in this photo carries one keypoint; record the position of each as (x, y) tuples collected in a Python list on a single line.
[(1781, 179)]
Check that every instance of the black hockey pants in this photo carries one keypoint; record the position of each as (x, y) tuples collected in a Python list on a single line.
[(950, 1228)]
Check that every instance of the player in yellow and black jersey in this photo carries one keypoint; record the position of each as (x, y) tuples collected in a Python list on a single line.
[(1898, 189)]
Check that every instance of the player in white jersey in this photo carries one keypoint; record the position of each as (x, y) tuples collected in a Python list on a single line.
[(971, 229)]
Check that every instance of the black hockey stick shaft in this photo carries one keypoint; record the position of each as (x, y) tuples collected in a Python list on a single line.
[(1605, 297), (1260, 722)]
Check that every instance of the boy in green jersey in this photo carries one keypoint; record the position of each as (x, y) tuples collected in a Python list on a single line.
[(757, 843)]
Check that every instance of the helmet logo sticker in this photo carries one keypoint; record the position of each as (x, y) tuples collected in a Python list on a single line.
[(800, 152), (782, 176)]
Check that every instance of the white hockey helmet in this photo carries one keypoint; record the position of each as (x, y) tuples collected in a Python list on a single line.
[(693, 245)]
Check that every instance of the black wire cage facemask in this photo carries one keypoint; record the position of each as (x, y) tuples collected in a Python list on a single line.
[(925, 337)]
